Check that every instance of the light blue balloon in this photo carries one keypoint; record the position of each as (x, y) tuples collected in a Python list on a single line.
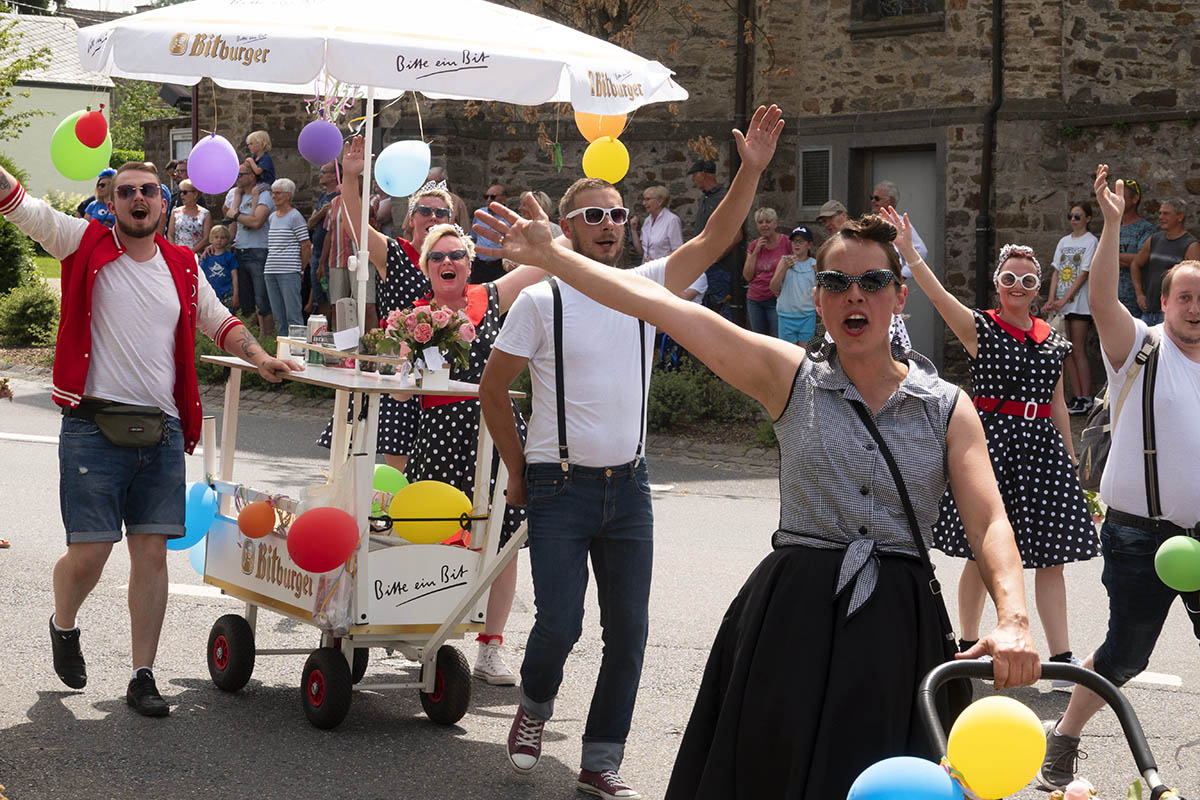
[(196, 556), (200, 510), (402, 167), (905, 778)]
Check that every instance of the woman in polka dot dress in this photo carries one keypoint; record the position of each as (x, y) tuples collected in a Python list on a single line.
[(1016, 371)]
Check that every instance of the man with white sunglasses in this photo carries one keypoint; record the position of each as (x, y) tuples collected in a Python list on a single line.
[(582, 472)]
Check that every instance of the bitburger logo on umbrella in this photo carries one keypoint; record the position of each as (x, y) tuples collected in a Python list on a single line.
[(208, 45)]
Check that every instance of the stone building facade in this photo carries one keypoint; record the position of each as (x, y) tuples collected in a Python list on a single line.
[(871, 89)]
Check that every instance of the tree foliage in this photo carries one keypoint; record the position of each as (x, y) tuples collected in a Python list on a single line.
[(133, 103), (16, 62)]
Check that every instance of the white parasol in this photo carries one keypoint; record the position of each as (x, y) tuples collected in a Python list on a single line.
[(458, 49)]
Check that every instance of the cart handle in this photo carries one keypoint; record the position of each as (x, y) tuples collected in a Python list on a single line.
[(969, 668)]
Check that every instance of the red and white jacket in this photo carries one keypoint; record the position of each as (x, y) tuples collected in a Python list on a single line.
[(84, 248)]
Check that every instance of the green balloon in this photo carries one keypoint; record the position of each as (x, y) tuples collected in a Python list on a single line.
[(1177, 563), (389, 479), (74, 159)]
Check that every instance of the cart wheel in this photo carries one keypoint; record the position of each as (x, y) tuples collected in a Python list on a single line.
[(231, 652), (325, 688), (451, 694), (360, 664)]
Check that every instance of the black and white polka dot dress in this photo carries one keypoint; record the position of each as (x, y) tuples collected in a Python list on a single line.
[(448, 434), (1037, 481), (405, 285)]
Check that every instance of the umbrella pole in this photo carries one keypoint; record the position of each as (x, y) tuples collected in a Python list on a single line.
[(364, 261)]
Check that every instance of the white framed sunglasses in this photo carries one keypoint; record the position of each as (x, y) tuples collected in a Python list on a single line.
[(1029, 281), (594, 215)]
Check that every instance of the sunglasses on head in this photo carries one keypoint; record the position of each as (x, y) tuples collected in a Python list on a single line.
[(438, 213), (870, 281), (149, 191), (1009, 279), (438, 256), (594, 215)]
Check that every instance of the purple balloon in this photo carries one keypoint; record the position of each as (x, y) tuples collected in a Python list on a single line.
[(320, 142), (213, 165)]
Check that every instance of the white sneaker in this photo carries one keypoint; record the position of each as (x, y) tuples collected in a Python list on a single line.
[(490, 666), (1061, 684)]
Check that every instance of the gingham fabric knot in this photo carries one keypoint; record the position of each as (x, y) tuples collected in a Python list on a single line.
[(860, 567)]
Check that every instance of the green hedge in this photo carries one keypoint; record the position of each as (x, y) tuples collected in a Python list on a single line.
[(120, 156), (29, 316), (16, 249)]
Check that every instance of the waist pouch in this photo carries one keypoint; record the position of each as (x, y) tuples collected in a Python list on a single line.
[(124, 425)]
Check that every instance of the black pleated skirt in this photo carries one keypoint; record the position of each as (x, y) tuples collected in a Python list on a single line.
[(796, 700)]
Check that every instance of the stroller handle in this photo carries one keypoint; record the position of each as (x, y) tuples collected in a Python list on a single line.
[(1069, 672)]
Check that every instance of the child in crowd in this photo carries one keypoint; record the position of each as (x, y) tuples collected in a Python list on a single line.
[(794, 280), (101, 206), (260, 161), (219, 266)]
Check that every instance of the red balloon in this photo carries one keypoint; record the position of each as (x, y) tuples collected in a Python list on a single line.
[(322, 539), (91, 129)]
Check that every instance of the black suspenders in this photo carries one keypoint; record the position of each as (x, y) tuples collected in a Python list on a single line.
[(560, 392)]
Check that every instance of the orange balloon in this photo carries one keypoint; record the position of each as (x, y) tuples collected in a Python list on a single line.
[(257, 519), (593, 126)]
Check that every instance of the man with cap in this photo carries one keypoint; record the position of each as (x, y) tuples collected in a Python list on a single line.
[(833, 216), (720, 274), (794, 281)]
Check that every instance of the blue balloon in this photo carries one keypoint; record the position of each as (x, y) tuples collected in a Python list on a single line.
[(402, 167), (196, 556), (905, 778), (200, 510)]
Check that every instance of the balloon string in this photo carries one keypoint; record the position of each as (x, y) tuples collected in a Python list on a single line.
[(420, 124)]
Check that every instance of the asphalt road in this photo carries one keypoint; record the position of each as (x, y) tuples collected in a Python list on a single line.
[(712, 527)]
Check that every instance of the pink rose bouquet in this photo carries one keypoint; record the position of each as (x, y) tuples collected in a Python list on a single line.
[(415, 329)]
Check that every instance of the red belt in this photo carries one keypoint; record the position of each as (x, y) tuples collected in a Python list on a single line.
[(434, 400), (1029, 410)]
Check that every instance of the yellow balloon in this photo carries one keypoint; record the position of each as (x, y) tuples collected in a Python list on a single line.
[(997, 744), (606, 159), (423, 500), (593, 126)]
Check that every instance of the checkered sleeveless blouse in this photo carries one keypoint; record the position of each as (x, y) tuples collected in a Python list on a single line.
[(835, 487)]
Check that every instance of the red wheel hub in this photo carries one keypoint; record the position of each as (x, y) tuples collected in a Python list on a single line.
[(220, 652), (316, 688), (439, 686)]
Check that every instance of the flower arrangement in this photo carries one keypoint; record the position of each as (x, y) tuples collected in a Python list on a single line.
[(415, 329)]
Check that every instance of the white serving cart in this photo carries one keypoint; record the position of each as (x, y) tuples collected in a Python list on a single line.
[(406, 597)]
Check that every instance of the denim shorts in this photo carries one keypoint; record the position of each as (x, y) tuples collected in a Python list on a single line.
[(102, 485), (1138, 602)]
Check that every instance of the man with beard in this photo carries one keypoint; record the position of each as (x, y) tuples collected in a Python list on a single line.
[(582, 472), (125, 377), (1150, 487)]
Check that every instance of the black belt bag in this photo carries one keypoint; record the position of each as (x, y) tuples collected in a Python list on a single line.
[(124, 425)]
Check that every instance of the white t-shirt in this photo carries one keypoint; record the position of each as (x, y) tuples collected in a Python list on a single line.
[(662, 236), (700, 286), (602, 384), (1072, 258), (1177, 435)]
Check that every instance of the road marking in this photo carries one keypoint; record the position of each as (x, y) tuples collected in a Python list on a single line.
[(1158, 679), (22, 437), (661, 487), (190, 589)]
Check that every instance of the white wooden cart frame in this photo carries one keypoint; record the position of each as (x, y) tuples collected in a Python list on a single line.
[(382, 562)]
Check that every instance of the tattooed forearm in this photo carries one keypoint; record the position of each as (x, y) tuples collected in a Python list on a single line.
[(247, 346), (4, 183)]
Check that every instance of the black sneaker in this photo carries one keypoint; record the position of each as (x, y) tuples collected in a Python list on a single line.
[(68, 658), (143, 697), (1079, 406)]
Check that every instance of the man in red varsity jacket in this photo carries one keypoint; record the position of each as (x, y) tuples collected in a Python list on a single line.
[(131, 304)]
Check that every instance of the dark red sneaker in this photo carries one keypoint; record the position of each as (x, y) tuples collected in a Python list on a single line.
[(606, 784), (525, 741)]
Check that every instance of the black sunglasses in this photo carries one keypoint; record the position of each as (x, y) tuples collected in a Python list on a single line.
[(148, 190), (438, 256), (594, 215), (1074, 216), (438, 213), (496, 196), (870, 281), (243, 174), (879, 199)]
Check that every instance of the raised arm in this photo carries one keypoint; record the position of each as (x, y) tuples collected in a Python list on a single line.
[(751, 263), (991, 538), (960, 318), (724, 227), (508, 286), (352, 168), (761, 366), (1114, 323), (781, 269)]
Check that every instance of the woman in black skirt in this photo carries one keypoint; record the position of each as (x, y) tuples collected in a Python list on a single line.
[(814, 672)]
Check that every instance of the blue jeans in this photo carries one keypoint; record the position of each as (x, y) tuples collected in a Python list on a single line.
[(715, 297), (102, 485), (1138, 602), (284, 290), (252, 284), (605, 513), (1152, 318), (761, 316)]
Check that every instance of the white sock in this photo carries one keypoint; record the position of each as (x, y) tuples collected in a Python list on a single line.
[(135, 672), (61, 630)]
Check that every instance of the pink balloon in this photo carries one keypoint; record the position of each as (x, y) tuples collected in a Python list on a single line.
[(213, 165), (320, 142)]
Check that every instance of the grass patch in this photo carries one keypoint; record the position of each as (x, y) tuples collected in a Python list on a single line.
[(47, 267)]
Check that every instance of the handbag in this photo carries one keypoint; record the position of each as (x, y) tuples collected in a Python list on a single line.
[(959, 691), (125, 425)]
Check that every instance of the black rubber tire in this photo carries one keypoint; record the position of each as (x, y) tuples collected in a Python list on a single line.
[(360, 664), (231, 652), (325, 688), (451, 696)]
